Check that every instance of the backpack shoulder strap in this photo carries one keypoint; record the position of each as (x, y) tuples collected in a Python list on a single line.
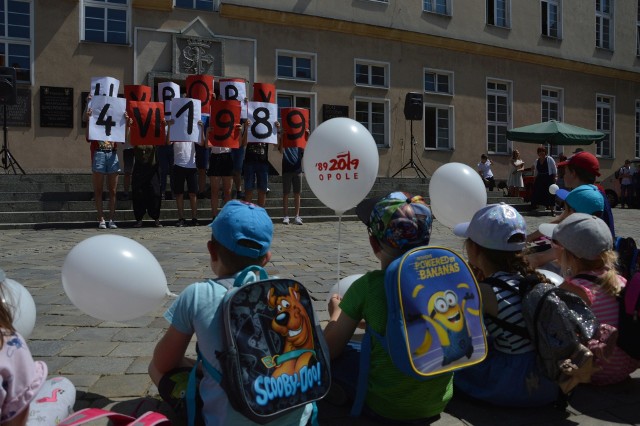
[(191, 384), (247, 275), (363, 373), (506, 325)]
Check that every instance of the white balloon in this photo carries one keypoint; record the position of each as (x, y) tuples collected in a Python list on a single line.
[(343, 285), (21, 305), (456, 192), (113, 278), (340, 163), (553, 189), (551, 276)]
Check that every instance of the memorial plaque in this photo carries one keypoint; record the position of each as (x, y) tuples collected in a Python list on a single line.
[(56, 107), (18, 115), (333, 111)]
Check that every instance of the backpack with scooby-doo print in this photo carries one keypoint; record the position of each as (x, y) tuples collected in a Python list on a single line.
[(275, 358)]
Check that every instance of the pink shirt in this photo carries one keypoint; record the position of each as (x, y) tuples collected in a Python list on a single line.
[(605, 307), (21, 377)]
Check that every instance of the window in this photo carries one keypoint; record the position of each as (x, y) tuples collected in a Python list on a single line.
[(442, 7), (498, 117), (637, 147), (498, 13), (604, 24), (374, 115), (298, 100), (604, 118), (438, 127), (296, 65), (550, 18), (106, 21), (15, 37), (372, 74), (196, 4), (440, 82), (551, 105)]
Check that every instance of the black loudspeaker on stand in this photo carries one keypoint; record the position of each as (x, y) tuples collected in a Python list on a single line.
[(8, 96), (413, 110)]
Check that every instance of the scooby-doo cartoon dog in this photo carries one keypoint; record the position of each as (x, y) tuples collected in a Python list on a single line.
[(293, 323)]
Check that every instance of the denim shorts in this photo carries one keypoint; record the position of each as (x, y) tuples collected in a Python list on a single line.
[(238, 158), (254, 170), (105, 162)]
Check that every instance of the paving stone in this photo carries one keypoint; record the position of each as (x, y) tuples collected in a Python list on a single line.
[(46, 332), (89, 349), (43, 348), (122, 386), (143, 334), (93, 333), (97, 365), (133, 349), (140, 365)]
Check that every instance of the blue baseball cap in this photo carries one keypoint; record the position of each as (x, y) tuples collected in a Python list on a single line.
[(493, 226), (583, 199), (240, 221)]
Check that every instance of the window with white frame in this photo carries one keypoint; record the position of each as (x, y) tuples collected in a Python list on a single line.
[(442, 7), (438, 127), (374, 115), (437, 81), (550, 18), (208, 5), (298, 100), (371, 73), (106, 21), (604, 124), (637, 144), (498, 116), (295, 65), (604, 24), (498, 13), (551, 105), (15, 37)]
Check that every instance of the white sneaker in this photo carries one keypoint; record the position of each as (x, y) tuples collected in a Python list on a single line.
[(297, 220), (102, 225), (112, 225), (285, 220)]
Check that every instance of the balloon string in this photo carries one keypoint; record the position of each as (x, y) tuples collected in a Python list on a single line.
[(339, 232)]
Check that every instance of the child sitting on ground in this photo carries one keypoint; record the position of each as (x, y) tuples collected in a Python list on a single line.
[(241, 236), (588, 262), (396, 224), (495, 240)]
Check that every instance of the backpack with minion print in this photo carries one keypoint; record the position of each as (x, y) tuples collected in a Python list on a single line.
[(434, 317)]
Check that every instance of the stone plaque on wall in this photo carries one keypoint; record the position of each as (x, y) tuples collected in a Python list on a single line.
[(196, 55), (56, 107), (18, 115), (333, 111)]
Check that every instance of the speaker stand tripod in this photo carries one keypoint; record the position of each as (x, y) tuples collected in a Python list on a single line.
[(8, 162), (411, 164)]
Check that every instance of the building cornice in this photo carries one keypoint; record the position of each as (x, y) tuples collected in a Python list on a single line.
[(267, 16)]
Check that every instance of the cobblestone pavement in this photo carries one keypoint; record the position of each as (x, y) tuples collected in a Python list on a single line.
[(107, 361)]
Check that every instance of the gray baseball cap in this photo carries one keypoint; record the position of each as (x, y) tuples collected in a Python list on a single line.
[(493, 226), (584, 235)]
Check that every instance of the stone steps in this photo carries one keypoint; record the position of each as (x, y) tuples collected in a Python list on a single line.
[(65, 201)]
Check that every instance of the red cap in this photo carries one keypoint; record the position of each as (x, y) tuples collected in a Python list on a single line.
[(583, 160)]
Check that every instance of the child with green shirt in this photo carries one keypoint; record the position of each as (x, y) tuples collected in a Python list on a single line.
[(396, 223)]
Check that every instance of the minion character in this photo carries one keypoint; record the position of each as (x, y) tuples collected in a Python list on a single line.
[(446, 317)]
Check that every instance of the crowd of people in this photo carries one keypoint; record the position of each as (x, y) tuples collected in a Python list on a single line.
[(233, 173)]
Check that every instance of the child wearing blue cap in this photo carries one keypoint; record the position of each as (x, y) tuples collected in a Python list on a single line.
[(495, 240), (396, 223), (241, 236)]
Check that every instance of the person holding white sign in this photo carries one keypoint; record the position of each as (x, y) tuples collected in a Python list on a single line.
[(104, 161), (184, 170)]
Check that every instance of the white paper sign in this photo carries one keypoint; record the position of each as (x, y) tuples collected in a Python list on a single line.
[(263, 117), (107, 122), (185, 115), (234, 90), (104, 86), (167, 91)]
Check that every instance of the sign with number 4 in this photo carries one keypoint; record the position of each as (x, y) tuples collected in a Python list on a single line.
[(107, 122)]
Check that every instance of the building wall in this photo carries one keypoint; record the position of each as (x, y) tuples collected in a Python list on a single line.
[(337, 32)]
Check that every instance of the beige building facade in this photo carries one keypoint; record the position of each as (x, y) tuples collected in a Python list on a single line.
[(481, 67)]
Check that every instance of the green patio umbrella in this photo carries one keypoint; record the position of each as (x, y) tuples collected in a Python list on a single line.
[(555, 133)]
